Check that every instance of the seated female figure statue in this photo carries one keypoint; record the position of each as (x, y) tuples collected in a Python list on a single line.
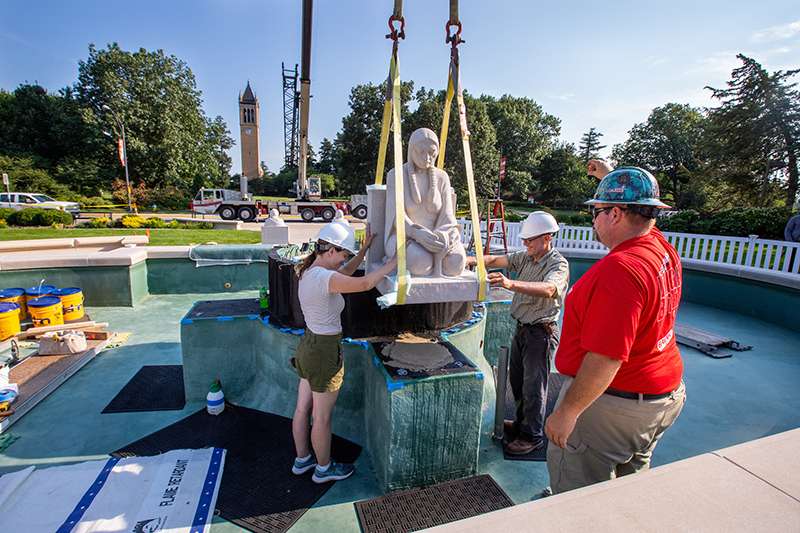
[(433, 241)]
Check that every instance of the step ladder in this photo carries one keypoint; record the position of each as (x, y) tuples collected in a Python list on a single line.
[(495, 217)]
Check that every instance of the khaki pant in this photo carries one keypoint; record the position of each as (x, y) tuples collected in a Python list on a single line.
[(613, 437)]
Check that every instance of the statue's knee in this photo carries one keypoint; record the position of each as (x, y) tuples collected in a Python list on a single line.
[(453, 264), (419, 260)]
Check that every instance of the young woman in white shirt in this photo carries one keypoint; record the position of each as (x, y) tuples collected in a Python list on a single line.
[(325, 275)]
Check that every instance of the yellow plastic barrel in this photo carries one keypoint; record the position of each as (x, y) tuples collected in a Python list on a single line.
[(38, 291), (71, 302), (9, 320), (15, 296), (46, 311)]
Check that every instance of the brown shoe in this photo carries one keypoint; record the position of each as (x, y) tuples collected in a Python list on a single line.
[(523, 447)]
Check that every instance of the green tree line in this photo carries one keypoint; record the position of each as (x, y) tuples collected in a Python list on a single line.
[(740, 152)]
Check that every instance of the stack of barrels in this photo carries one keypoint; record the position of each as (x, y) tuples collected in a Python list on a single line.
[(45, 305)]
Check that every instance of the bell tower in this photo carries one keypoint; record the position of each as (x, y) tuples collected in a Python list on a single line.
[(248, 130)]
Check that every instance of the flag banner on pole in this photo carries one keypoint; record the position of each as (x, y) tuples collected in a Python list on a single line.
[(121, 152)]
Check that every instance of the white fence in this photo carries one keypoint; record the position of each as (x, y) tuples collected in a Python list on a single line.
[(748, 252)]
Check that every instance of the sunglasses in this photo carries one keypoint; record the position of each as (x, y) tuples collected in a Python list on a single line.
[(595, 211)]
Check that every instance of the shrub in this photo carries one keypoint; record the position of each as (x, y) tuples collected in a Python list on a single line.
[(5, 212), (511, 216), (3, 223), (99, 222), (196, 225), (766, 222), (52, 217), (38, 217), (131, 222), (155, 222), (23, 217)]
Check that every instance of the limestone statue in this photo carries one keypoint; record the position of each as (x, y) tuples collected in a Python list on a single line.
[(274, 219), (433, 241)]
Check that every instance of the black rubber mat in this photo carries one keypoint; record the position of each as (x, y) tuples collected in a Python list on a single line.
[(213, 309), (459, 365), (153, 388), (554, 383), (415, 509), (258, 490)]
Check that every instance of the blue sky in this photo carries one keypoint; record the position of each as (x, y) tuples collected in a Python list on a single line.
[(601, 64)]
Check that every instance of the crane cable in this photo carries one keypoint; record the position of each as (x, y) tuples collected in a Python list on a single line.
[(454, 89), (391, 118)]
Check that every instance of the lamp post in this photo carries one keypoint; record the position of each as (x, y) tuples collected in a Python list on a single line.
[(121, 127)]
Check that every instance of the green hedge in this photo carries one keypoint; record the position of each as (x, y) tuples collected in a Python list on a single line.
[(766, 222), (38, 217)]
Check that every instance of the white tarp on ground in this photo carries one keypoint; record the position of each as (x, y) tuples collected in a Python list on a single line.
[(174, 492)]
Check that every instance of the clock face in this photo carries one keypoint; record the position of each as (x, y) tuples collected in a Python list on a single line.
[(248, 131)]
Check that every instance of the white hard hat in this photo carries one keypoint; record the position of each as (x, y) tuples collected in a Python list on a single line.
[(538, 223), (338, 234)]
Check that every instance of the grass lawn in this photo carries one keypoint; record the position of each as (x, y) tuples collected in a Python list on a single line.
[(158, 237)]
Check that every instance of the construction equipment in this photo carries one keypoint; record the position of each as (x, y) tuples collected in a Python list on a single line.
[(305, 98), (291, 104), (496, 213)]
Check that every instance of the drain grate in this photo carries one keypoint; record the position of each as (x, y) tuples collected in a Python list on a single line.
[(415, 509)]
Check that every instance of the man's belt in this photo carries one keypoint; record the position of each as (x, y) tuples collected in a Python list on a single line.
[(637, 395)]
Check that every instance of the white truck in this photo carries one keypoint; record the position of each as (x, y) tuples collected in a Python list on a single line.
[(21, 200), (230, 205)]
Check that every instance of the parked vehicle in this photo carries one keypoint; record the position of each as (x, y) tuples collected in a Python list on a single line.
[(231, 205), (21, 200)]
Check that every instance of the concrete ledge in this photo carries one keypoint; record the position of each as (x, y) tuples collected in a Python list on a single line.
[(752, 487), (168, 252), (35, 244)]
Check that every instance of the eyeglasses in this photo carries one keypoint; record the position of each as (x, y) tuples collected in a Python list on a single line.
[(595, 211)]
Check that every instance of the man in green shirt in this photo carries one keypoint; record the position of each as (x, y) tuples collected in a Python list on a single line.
[(539, 289)]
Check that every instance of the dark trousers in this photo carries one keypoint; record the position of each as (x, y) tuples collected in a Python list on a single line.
[(531, 351)]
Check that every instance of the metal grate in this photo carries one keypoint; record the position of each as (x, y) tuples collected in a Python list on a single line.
[(412, 510)]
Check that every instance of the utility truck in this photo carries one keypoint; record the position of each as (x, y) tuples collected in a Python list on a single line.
[(231, 205)]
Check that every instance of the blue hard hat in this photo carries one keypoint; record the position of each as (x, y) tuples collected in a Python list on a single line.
[(628, 185)]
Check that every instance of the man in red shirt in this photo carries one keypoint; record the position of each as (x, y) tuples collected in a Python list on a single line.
[(618, 349)]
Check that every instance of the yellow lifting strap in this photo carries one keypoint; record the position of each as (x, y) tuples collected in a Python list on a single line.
[(391, 116), (454, 88)]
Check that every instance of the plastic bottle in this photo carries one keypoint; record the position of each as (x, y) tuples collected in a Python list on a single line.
[(263, 300), (215, 400)]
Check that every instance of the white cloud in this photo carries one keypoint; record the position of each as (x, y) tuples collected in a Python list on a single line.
[(717, 63), (776, 33), (654, 61), (564, 97)]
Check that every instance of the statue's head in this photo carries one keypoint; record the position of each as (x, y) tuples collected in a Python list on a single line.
[(423, 147)]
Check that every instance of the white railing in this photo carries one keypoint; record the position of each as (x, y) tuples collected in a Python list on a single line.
[(748, 252)]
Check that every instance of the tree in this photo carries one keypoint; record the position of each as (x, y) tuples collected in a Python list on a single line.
[(562, 178), (170, 140), (756, 128), (525, 133), (51, 130), (357, 141), (669, 145), (329, 156), (590, 145), (482, 140), (24, 175)]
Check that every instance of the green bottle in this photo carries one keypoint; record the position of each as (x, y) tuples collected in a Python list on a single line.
[(263, 300)]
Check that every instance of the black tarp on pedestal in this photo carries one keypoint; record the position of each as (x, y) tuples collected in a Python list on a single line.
[(362, 317)]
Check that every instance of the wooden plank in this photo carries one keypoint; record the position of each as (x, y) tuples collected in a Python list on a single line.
[(38, 376), (699, 335)]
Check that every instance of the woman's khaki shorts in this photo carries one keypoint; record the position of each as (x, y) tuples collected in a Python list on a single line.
[(319, 360)]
